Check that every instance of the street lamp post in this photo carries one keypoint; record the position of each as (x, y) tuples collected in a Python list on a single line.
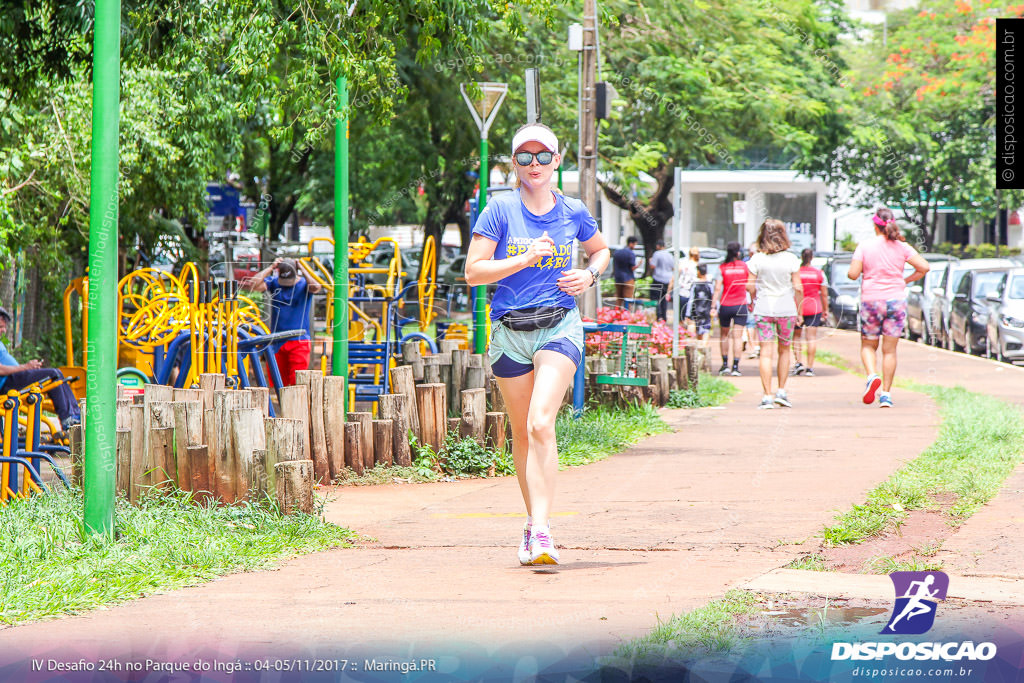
[(484, 111)]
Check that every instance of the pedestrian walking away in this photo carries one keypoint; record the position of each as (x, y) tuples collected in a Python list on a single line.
[(523, 241), (775, 286), (730, 305), (698, 307), (752, 347), (291, 298), (687, 276), (883, 300), (623, 264), (812, 310), (663, 267), (15, 376)]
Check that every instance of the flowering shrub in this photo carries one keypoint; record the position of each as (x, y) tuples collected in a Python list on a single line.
[(607, 344)]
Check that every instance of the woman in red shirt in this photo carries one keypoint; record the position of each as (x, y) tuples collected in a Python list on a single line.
[(730, 302), (814, 308)]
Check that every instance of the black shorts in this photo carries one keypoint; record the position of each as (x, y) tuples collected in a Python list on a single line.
[(813, 320), (730, 315)]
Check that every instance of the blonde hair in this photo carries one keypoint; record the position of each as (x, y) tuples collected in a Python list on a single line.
[(772, 237), (695, 253)]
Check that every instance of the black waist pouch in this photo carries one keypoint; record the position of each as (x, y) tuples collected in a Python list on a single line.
[(536, 318)]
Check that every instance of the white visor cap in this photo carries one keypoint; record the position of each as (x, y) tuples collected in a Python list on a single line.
[(535, 134)]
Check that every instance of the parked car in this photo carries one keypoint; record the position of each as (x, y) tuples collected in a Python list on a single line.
[(948, 285), (968, 316), (1005, 329), (919, 299), (843, 293)]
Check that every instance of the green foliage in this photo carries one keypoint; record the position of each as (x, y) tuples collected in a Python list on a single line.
[(984, 250), (847, 242), (708, 629), (914, 129), (166, 542), (979, 444), (604, 431), (465, 456), (711, 391)]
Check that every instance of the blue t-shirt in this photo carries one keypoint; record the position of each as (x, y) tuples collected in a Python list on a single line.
[(509, 223), (289, 307), (6, 359), (623, 263)]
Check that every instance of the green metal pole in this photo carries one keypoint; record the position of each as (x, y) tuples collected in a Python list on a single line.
[(101, 374), (339, 351), (560, 177), (480, 293)]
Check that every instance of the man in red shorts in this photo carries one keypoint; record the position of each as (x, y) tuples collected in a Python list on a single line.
[(291, 297)]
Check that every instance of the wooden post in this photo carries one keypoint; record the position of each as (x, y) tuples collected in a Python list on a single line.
[(161, 457), (446, 375), (474, 378), (226, 468), (474, 407), (365, 421), (497, 399), (494, 429), (160, 393), (188, 395), (283, 443), (210, 437), (188, 431), (682, 376), (402, 383), (448, 345), (382, 442), (124, 413), (314, 381), (295, 405), (432, 369), (412, 358), (247, 435), (430, 400), (460, 363), (124, 459), (455, 425), (334, 424), (210, 383), (258, 483), (395, 407), (199, 467), (137, 479), (354, 447), (261, 399), (294, 486)]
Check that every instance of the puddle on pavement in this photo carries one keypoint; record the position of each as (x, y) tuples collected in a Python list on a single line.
[(832, 616)]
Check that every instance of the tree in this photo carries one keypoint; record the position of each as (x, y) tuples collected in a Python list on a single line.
[(701, 82), (916, 128)]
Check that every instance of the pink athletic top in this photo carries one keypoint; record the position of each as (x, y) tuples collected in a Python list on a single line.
[(812, 279), (883, 268)]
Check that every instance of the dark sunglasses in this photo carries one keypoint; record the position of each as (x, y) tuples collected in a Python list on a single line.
[(526, 158)]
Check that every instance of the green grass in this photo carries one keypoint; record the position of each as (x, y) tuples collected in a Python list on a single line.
[(708, 629), (711, 391), (980, 441), (813, 563), (381, 474), (835, 360), (604, 431), (49, 569), (888, 565)]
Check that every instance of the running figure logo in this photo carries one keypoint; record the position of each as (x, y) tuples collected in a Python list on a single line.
[(917, 596)]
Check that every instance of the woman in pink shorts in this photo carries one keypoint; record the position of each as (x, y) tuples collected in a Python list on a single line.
[(883, 300), (775, 286)]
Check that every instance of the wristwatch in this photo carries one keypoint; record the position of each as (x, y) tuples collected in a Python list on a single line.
[(595, 272)]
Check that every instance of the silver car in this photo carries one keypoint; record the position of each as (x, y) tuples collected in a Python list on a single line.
[(942, 301), (1006, 320)]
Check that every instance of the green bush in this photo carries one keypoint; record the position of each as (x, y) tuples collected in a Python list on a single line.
[(965, 251)]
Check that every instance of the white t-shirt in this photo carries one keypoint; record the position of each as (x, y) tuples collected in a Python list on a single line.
[(687, 276), (774, 283)]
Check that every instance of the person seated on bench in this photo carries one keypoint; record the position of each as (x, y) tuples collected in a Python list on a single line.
[(15, 376)]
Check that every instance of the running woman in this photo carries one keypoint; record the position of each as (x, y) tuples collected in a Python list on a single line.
[(523, 241), (883, 300), (812, 309), (730, 302), (775, 285)]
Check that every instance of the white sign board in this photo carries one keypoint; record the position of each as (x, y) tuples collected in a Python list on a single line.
[(739, 212)]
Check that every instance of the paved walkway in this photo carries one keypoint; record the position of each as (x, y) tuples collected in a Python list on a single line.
[(662, 528)]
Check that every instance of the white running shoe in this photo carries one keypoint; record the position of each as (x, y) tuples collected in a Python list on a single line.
[(542, 548), (782, 399), (524, 547), (766, 403)]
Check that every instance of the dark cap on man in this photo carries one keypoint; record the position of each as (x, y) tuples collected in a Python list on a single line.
[(287, 272)]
